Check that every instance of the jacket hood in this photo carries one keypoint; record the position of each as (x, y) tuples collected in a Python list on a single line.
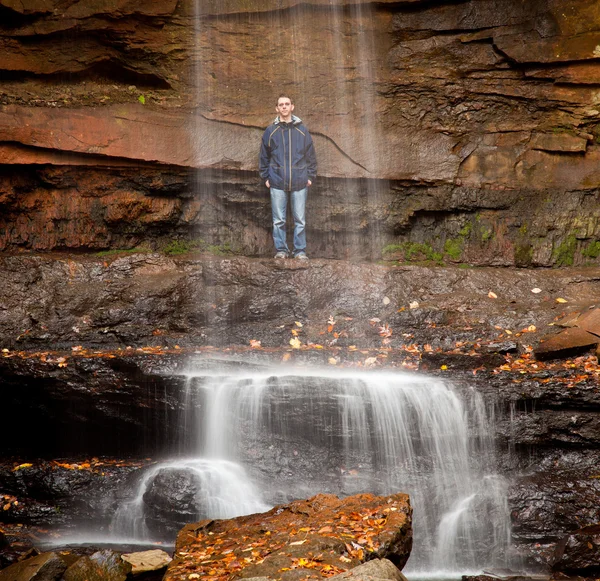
[(295, 120)]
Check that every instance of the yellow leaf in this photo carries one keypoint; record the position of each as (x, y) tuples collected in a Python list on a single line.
[(531, 328), (332, 361), (295, 343), (298, 323), (294, 332), (444, 367), (559, 300), (508, 332), (26, 465), (492, 295)]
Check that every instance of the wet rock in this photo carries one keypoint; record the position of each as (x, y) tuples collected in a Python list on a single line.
[(373, 571), (44, 567), (289, 536), (144, 561), (101, 566), (579, 552), (172, 500)]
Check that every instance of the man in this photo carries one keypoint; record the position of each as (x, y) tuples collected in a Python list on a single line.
[(288, 165)]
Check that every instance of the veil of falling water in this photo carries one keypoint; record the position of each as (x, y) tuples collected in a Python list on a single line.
[(280, 434)]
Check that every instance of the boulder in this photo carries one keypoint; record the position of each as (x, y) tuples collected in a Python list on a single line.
[(378, 569), (582, 331), (44, 567), (101, 566), (566, 342), (144, 561), (172, 498), (323, 535)]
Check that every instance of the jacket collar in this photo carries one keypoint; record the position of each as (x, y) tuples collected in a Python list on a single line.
[(295, 120)]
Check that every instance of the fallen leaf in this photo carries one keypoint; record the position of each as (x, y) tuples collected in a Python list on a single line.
[(492, 295), (444, 367), (531, 328), (332, 361), (295, 343), (536, 290), (298, 324), (559, 300), (386, 300), (413, 305), (20, 466), (254, 343)]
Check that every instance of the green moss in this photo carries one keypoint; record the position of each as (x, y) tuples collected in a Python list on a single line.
[(392, 249), (454, 247), (592, 250), (178, 247), (564, 253), (486, 235), (220, 249), (523, 254), (523, 230), (465, 231), (415, 252)]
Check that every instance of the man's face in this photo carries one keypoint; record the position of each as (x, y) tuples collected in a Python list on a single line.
[(284, 108)]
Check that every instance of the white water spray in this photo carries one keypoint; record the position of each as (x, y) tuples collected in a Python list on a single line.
[(309, 431)]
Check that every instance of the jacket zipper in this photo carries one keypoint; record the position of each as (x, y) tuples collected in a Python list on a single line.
[(290, 144), (283, 141)]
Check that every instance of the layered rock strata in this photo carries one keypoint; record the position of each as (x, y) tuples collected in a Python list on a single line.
[(457, 132)]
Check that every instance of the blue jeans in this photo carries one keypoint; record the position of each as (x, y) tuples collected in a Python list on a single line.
[(279, 209)]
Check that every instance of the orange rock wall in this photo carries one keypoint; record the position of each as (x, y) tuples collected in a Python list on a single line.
[(403, 98)]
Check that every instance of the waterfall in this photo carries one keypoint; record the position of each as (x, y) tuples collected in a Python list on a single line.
[(293, 433)]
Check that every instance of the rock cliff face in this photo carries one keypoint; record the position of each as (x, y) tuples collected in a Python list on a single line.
[(466, 131)]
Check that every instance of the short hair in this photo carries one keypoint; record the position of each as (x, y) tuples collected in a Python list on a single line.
[(285, 96)]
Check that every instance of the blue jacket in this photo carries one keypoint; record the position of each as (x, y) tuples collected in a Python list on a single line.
[(287, 155)]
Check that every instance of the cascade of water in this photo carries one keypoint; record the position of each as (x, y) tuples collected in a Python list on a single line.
[(313, 431), (222, 490)]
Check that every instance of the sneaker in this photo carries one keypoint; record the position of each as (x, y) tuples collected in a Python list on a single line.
[(301, 256), (281, 255)]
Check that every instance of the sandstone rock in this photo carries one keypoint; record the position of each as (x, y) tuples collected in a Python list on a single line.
[(44, 567), (101, 566), (565, 342), (558, 142), (582, 330), (144, 561), (373, 571), (303, 535)]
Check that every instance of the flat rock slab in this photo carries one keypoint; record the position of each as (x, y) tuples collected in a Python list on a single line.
[(44, 567), (565, 341), (144, 561), (582, 330), (308, 539)]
